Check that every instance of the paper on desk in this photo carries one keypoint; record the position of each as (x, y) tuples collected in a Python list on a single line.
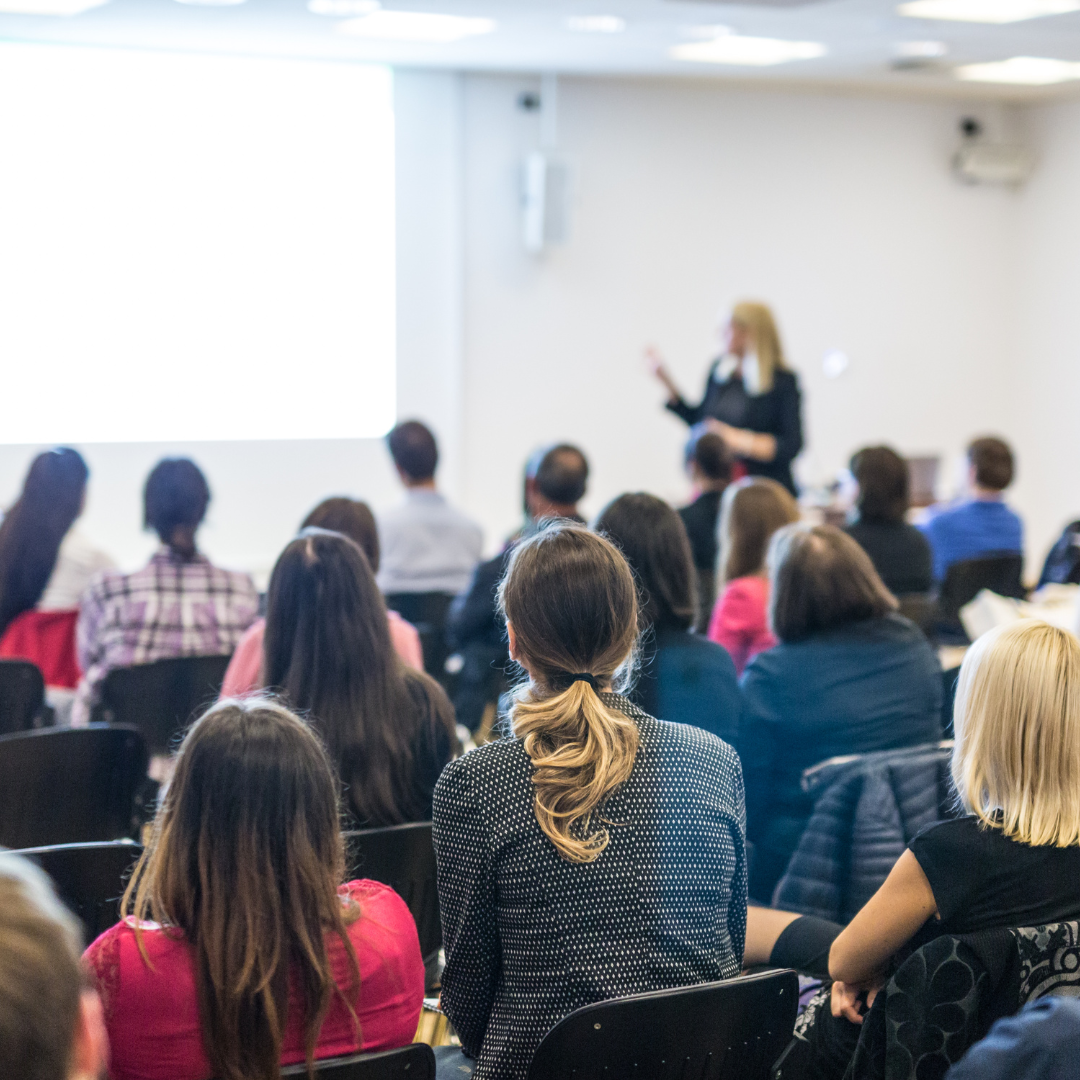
[(1058, 605)]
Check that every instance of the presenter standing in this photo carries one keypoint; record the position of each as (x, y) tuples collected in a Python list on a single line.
[(751, 399)]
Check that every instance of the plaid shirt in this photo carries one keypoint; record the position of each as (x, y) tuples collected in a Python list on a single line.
[(171, 607)]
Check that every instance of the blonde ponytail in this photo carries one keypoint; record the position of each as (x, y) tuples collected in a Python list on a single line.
[(581, 752)]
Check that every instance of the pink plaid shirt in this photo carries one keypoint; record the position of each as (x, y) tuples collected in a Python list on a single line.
[(171, 607)]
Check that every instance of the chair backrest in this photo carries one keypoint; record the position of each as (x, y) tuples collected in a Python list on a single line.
[(22, 695), (1000, 572), (90, 878), (413, 1062), (428, 612), (69, 785), (732, 1030), (162, 698), (403, 857)]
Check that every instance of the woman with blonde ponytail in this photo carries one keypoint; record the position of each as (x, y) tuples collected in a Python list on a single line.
[(598, 852)]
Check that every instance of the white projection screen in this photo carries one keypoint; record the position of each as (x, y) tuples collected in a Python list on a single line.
[(194, 247)]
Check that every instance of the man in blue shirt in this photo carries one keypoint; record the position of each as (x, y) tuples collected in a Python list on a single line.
[(982, 523)]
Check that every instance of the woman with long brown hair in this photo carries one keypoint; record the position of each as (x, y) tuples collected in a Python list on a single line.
[(242, 950), (599, 852)]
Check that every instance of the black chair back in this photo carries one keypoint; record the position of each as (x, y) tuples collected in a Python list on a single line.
[(413, 1062), (428, 612), (1000, 572), (90, 878), (403, 857), (22, 695), (162, 698), (732, 1030), (70, 785)]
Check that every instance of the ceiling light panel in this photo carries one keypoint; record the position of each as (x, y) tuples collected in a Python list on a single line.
[(1022, 71), (596, 24), (419, 26), (986, 11), (342, 9), (748, 51), (48, 7)]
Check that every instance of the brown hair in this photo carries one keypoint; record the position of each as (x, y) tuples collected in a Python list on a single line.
[(653, 540), (710, 454), (351, 518), (569, 597), (244, 858), (821, 579), (992, 461), (414, 450), (41, 975), (750, 512), (884, 484)]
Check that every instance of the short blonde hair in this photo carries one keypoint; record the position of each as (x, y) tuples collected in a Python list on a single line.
[(1016, 762), (757, 320)]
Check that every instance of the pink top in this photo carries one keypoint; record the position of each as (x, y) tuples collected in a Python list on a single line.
[(740, 620), (243, 673), (152, 1014)]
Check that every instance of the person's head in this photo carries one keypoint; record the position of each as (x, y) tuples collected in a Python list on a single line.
[(51, 1025), (571, 609), (245, 857), (751, 510), (821, 580), (175, 500), (1016, 759), (351, 518), (653, 540), (52, 497), (751, 328), (884, 484), (708, 460), (555, 481), (415, 453), (990, 464)]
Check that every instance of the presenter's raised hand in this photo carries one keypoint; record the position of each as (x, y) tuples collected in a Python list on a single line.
[(655, 364)]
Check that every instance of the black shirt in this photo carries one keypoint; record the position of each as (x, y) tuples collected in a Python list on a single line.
[(899, 552), (700, 521), (982, 880)]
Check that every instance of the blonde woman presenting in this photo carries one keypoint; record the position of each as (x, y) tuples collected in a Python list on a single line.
[(751, 398)]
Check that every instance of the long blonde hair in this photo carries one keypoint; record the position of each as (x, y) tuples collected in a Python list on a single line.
[(569, 596), (757, 320), (1016, 762)]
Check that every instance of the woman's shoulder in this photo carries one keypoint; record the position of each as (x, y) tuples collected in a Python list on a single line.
[(751, 589), (377, 902)]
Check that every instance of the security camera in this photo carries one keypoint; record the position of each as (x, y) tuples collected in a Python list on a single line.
[(528, 101), (970, 128)]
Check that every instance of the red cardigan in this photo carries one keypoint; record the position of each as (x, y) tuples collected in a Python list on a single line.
[(152, 1013), (740, 620)]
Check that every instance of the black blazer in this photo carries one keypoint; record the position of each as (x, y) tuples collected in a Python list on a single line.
[(778, 412), (530, 936)]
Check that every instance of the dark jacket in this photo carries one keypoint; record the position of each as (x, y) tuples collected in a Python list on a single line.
[(700, 519), (900, 554), (865, 814), (686, 679), (778, 412), (874, 685), (531, 936)]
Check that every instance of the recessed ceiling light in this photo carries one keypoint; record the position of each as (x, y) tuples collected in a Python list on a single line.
[(416, 26), (748, 51), (48, 7), (986, 11), (596, 24), (1022, 71), (920, 50), (713, 30), (343, 8)]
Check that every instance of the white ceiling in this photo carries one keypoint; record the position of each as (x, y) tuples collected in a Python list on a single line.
[(861, 37)]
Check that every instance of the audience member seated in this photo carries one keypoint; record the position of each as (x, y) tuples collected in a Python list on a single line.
[(981, 524), (179, 604), (352, 519), (709, 465), (1013, 861), (327, 649), (751, 511), (555, 482), (427, 545), (242, 949), (682, 677), (849, 676), (45, 566), (598, 852), (1042, 1042), (50, 1022), (899, 552)]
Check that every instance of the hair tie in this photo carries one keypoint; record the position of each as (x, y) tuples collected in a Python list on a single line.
[(584, 676)]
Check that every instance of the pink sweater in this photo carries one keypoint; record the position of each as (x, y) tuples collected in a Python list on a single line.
[(740, 620), (243, 673)]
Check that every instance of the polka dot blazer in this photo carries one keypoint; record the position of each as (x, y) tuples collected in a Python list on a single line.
[(530, 936)]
